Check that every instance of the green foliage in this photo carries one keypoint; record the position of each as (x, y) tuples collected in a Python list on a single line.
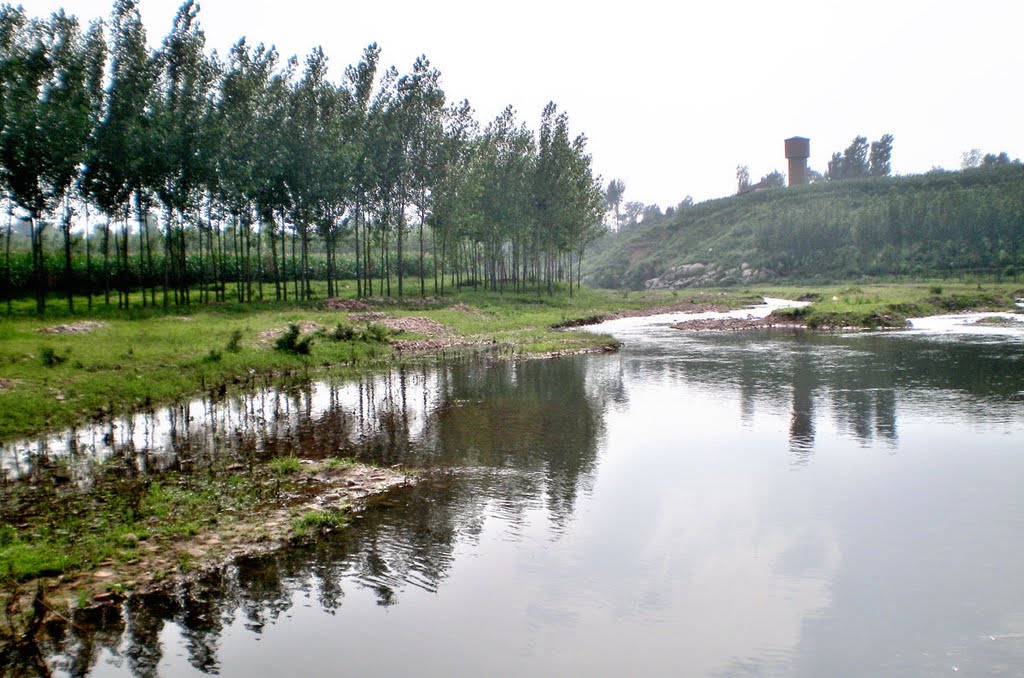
[(50, 358), (342, 332), (936, 225), (234, 344), (314, 522), (375, 333), (292, 342)]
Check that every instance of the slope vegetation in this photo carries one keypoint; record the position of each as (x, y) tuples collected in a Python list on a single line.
[(936, 224)]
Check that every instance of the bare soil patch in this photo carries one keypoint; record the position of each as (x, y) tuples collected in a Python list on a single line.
[(676, 307), (267, 336), (81, 327), (737, 324), (335, 304)]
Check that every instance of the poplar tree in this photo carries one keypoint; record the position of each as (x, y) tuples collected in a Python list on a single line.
[(183, 113), (120, 164)]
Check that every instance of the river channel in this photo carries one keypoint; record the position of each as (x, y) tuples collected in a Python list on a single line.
[(761, 503)]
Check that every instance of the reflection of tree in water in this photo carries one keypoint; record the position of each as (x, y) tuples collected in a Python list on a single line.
[(501, 438), (859, 379)]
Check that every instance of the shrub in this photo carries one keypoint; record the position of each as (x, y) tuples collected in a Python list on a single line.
[(375, 333), (234, 343), (343, 332), (290, 342), (50, 357)]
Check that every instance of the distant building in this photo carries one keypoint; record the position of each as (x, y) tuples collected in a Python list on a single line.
[(798, 150)]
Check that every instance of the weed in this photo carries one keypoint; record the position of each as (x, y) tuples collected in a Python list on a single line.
[(213, 356), (935, 289)]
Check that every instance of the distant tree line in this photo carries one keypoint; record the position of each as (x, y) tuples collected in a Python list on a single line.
[(209, 175)]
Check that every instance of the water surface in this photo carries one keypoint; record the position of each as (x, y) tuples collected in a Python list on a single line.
[(722, 504)]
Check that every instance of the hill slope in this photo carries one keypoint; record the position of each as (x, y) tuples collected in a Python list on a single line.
[(939, 223)]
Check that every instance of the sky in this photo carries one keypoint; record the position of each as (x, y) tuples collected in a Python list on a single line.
[(672, 96)]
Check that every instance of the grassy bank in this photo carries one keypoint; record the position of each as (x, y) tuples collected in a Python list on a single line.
[(65, 369), (73, 548), (889, 306)]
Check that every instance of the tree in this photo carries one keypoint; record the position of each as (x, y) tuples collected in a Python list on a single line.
[(46, 116), (993, 160), (881, 155), (634, 209), (970, 159), (184, 157), (742, 179), (120, 162), (774, 179), (613, 199)]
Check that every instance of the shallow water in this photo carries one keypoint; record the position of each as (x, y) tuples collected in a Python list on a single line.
[(734, 504)]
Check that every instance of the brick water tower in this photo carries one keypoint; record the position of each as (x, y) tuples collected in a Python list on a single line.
[(798, 149)]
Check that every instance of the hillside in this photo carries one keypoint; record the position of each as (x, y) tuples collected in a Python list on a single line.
[(936, 224)]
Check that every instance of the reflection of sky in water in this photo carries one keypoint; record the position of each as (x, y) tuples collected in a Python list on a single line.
[(710, 504)]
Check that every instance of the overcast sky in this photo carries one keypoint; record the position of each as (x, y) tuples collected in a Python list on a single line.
[(674, 95)]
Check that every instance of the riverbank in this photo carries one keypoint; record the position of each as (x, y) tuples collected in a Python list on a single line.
[(867, 307), (66, 550), (127, 530), (62, 371)]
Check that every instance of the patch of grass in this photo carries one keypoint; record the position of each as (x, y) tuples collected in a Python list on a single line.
[(25, 560), (315, 522), (284, 466), (338, 463)]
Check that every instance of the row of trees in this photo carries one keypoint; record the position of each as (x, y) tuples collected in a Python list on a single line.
[(249, 163)]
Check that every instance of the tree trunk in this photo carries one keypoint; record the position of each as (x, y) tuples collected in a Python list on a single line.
[(38, 262), (399, 260), (106, 262), (88, 263), (7, 258), (68, 283), (355, 233)]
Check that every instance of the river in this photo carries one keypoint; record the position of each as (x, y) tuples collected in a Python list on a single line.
[(763, 503)]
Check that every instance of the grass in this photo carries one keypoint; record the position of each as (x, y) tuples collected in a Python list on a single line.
[(51, 530), (141, 358), (877, 306), (285, 466), (312, 523)]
